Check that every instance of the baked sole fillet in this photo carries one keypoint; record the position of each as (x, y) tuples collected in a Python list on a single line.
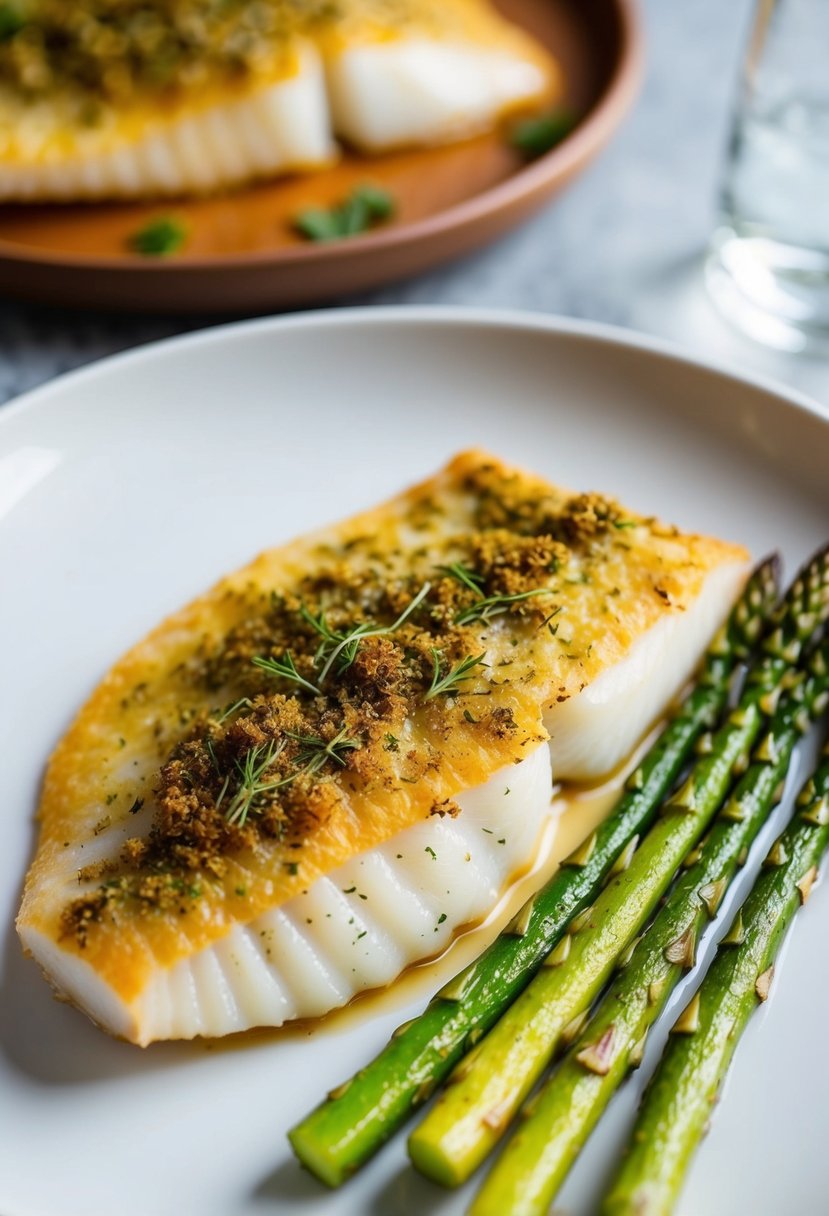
[(224, 845)]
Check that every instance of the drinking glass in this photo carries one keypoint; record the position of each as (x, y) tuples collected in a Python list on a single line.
[(768, 268)]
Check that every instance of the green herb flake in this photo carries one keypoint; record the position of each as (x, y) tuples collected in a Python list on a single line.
[(292, 867), (535, 136), (159, 238), (441, 918), (431, 852), (12, 20), (365, 207)]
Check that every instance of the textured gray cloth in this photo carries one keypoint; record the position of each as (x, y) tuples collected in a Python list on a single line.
[(624, 244)]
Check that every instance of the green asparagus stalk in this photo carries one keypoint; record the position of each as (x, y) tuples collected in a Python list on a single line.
[(357, 1118), (560, 1117), (495, 1078), (677, 1104)]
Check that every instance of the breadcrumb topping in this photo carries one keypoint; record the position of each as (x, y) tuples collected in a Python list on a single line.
[(351, 675)]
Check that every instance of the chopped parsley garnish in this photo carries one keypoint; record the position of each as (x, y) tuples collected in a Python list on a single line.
[(364, 207), (535, 136), (159, 238)]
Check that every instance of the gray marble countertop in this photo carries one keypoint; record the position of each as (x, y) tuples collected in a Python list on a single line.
[(624, 244)]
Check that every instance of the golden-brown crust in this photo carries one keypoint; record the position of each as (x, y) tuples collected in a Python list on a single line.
[(636, 571)]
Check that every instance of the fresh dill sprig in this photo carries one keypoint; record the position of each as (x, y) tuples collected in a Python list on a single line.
[(341, 647), (316, 752), (252, 781), (313, 755), (485, 606), (243, 702), (451, 681), (464, 575), (286, 668), (494, 605)]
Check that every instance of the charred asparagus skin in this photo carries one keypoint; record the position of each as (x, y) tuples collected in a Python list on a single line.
[(492, 1082), (677, 1104), (559, 1119), (357, 1118)]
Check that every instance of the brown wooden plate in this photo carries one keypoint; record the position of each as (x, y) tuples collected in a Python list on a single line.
[(242, 252)]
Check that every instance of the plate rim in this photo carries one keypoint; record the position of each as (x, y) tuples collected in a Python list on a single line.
[(528, 185), (420, 315)]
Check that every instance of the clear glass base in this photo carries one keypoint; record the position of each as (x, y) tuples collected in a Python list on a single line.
[(776, 293)]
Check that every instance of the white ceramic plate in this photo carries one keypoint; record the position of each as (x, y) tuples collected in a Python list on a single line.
[(128, 487)]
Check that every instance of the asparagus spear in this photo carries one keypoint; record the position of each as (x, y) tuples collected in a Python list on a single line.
[(678, 1101), (492, 1082), (335, 1139), (559, 1119)]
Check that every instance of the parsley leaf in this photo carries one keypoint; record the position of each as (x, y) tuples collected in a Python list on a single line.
[(159, 238)]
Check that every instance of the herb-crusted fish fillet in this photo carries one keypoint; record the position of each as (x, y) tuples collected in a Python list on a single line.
[(314, 774), (130, 98)]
